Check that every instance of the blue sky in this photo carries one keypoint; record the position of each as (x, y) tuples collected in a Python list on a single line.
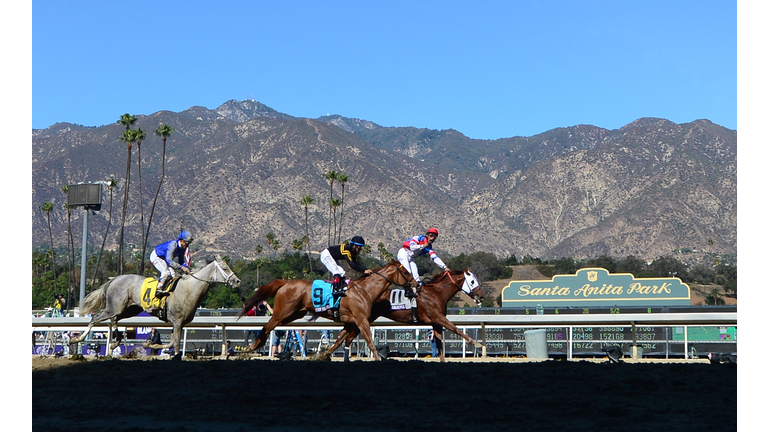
[(487, 69)]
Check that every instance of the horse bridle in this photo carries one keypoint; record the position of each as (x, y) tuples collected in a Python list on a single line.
[(227, 277), (406, 275), (471, 292)]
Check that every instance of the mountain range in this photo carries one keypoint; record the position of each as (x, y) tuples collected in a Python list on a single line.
[(238, 172)]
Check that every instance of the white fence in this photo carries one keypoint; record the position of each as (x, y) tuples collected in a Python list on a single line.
[(484, 324)]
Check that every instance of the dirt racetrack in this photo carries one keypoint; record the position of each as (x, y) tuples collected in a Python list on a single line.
[(394, 395)]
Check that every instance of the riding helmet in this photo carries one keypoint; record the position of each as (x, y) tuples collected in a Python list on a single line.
[(357, 240), (432, 231), (186, 236)]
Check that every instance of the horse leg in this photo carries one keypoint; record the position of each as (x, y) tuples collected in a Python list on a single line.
[(277, 319), (364, 327), (104, 315), (176, 340), (115, 334), (438, 332), (443, 321), (342, 334)]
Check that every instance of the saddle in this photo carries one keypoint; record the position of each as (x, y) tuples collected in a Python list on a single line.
[(322, 297), (148, 290)]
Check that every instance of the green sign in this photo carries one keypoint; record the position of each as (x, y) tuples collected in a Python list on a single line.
[(596, 287)]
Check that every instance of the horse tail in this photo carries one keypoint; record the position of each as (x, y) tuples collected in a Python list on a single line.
[(95, 301), (262, 293)]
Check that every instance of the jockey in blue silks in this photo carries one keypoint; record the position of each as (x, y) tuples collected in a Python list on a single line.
[(169, 256)]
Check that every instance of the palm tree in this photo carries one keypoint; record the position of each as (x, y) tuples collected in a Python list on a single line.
[(164, 131), (334, 203), (276, 245), (307, 201), (330, 176), (270, 239), (343, 178), (128, 138), (139, 136), (47, 207), (111, 183)]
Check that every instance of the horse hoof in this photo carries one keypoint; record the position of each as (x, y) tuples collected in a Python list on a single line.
[(177, 357)]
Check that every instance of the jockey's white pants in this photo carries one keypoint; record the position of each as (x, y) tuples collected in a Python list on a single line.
[(331, 264), (166, 272), (406, 259)]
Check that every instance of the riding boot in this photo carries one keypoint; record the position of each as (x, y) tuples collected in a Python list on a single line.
[(338, 289), (160, 292), (415, 314)]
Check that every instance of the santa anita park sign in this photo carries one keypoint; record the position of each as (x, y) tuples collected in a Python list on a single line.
[(596, 287)]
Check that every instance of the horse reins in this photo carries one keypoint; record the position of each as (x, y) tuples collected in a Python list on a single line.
[(393, 282), (221, 270)]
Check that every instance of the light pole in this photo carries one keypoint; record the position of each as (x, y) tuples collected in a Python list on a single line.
[(87, 196)]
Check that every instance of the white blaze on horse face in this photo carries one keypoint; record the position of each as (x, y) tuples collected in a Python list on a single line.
[(470, 283)]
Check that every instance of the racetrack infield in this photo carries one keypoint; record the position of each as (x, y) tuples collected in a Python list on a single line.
[(394, 395)]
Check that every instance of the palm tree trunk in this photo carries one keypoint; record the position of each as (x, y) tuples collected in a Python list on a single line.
[(141, 213), (53, 254), (154, 202), (120, 261), (341, 217), (104, 242)]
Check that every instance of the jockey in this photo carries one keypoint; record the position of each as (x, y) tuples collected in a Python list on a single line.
[(350, 253), (413, 247), (163, 256)]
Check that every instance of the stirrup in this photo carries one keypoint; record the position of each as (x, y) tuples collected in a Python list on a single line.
[(161, 293)]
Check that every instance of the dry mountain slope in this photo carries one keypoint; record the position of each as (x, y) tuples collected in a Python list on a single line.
[(237, 172)]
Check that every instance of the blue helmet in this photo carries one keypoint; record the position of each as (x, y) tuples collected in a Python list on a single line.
[(186, 236)]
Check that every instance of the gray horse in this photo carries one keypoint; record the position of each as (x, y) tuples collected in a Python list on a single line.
[(121, 298)]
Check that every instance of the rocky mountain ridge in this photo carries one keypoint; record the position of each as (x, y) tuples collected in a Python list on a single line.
[(238, 172)]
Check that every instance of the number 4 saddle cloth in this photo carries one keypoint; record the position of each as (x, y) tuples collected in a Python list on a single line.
[(148, 290)]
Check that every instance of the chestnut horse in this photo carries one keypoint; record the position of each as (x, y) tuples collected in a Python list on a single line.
[(432, 306), (293, 299)]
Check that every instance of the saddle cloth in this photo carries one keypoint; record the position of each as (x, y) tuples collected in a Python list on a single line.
[(397, 299), (148, 290), (322, 296)]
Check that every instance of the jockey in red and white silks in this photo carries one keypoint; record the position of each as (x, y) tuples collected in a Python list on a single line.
[(419, 245)]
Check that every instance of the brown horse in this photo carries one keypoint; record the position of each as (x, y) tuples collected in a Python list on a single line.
[(432, 307), (293, 299)]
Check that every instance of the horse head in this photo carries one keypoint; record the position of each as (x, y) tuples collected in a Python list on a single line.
[(224, 274), (471, 287)]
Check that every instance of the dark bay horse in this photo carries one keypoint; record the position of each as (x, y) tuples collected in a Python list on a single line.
[(432, 307), (121, 298), (293, 299)]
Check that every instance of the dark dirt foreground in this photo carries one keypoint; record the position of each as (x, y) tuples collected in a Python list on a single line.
[(394, 395)]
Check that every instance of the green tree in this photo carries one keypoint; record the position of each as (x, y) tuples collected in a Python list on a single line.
[(47, 207), (139, 135), (163, 131), (343, 179), (331, 176), (335, 203), (70, 248), (307, 201), (128, 137), (270, 239), (111, 184), (385, 255)]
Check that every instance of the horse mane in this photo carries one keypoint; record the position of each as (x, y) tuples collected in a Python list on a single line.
[(443, 275)]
